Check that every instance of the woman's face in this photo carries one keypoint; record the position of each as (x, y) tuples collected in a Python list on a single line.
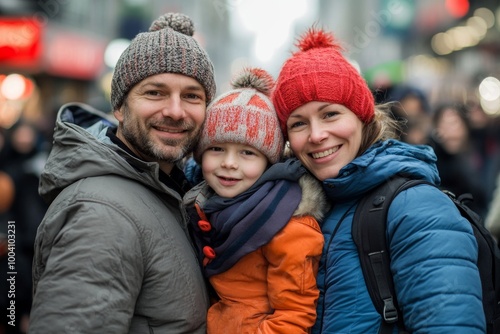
[(325, 137), (452, 131)]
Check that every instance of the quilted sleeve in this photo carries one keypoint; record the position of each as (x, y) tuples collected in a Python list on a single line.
[(433, 260), (293, 257)]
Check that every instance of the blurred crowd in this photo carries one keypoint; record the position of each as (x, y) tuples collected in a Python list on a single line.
[(23, 152), (465, 139)]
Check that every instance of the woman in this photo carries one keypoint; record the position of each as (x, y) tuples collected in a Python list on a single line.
[(328, 115), (460, 162)]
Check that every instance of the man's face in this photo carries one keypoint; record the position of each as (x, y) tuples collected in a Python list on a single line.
[(161, 118)]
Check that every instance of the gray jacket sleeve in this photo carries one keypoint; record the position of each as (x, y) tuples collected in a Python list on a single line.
[(87, 270)]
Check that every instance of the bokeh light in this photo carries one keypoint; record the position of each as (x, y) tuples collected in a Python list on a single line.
[(489, 91), (114, 50)]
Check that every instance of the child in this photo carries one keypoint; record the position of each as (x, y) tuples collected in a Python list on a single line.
[(258, 239)]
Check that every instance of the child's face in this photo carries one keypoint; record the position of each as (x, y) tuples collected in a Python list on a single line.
[(230, 169)]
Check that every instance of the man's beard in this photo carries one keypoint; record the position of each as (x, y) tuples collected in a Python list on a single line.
[(170, 150)]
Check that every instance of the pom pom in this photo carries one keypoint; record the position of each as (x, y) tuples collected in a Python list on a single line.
[(317, 38), (255, 78), (176, 21)]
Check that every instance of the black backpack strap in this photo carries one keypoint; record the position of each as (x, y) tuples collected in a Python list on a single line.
[(488, 263), (369, 235)]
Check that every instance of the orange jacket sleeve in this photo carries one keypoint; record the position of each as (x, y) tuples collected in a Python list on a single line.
[(293, 257)]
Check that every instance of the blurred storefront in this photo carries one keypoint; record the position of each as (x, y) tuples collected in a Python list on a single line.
[(46, 59), (446, 48), (65, 47), (60, 47)]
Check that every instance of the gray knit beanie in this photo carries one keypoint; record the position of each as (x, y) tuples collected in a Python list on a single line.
[(168, 47)]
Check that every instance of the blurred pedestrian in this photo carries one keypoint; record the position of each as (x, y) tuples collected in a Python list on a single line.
[(25, 154), (255, 218), (413, 110), (112, 254), (6, 183), (329, 116), (485, 138), (6, 191), (492, 221), (458, 159)]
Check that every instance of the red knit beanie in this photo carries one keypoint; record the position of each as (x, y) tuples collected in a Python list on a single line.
[(244, 115), (319, 72)]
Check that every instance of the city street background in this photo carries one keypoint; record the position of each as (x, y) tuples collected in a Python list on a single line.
[(430, 56)]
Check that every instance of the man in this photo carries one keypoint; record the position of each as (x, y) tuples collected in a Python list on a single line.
[(112, 254)]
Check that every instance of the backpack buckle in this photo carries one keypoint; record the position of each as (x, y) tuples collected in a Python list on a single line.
[(390, 313)]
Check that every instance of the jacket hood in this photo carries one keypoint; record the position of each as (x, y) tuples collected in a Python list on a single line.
[(314, 202), (82, 149), (381, 161)]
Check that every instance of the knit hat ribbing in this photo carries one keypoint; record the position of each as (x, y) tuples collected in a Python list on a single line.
[(319, 72), (244, 115), (168, 47)]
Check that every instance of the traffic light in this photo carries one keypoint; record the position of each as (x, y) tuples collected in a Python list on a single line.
[(457, 8)]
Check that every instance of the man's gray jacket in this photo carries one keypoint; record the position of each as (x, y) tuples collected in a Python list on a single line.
[(112, 254)]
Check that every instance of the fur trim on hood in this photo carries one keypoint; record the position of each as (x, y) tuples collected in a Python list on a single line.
[(314, 201)]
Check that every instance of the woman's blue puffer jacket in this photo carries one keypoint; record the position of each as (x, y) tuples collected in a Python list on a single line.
[(432, 248)]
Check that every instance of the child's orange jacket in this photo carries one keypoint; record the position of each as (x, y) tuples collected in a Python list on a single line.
[(273, 288)]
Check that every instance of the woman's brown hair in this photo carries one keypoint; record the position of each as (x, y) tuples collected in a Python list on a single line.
[(382, 127)]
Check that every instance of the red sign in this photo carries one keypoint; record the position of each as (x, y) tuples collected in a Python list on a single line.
[(73, 55), (20, 42)]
